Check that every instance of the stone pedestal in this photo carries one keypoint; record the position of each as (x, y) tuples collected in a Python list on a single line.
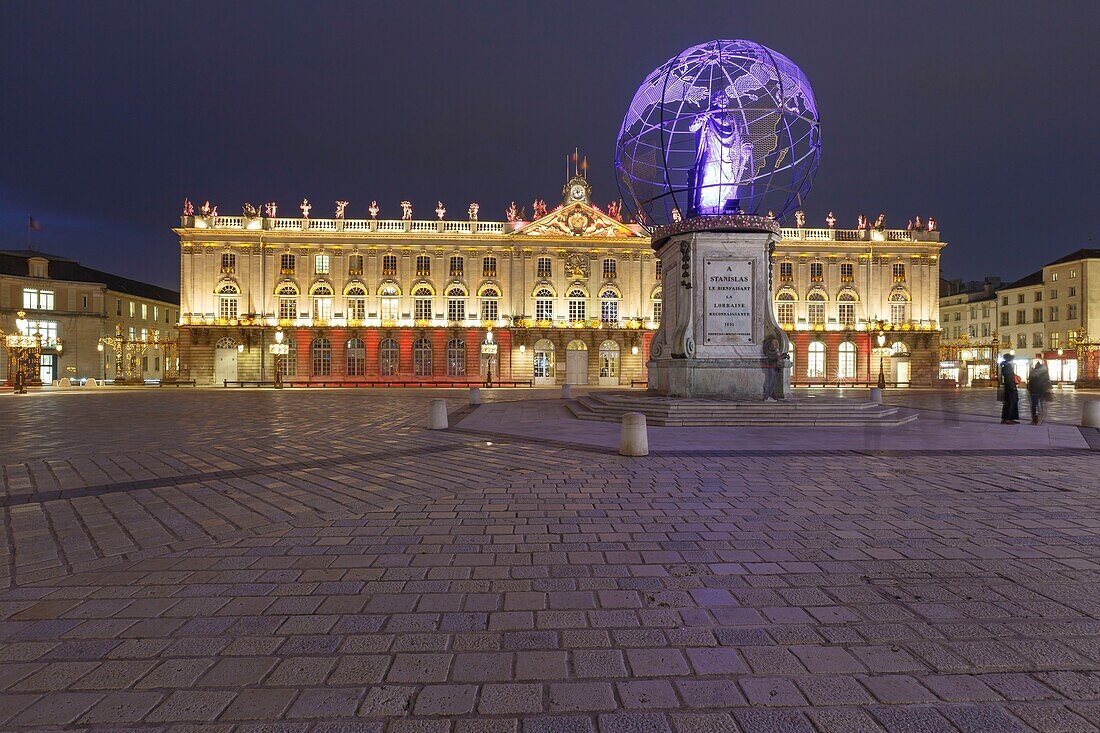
[(717, 327)]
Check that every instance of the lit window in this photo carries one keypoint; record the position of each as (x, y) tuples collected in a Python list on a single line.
[(422, 304), (357, 303), (286, 264), (389, 304), (610, 269), (899, 272), (320, 264), (577, 305), (156, 313), (229, 263), (784, 309), (846, 310), (389, 265), (46, 329), (321, 355), (227, 302), (489, 267), (544, 305), (786, 271), (322, 302), (815, 308), (489, 304), (1073, 272), (40, 300), (847, 272), (457, 266), (846, 361), (543, 267), (456, 358), (815, 360), (609, 306), (817, 271), (132, 308), (1055, 340), (657, 307), (388, 358), (456, 305), (144, 311), (355, 357), (422, 358), (899, 308), (423, 266)]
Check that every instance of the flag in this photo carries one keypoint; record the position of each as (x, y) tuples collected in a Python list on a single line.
[(33, 225)]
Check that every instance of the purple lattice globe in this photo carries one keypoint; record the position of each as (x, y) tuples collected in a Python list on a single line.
[(726, 127)]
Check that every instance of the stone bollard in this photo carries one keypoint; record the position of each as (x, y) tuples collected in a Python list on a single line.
[(475, 395), (567, 391), (876, 395), (437, 415), (1090, 414), (64, 382), (633, 438), (91, 382)]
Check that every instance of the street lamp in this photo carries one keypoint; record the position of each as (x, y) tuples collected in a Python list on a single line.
[(24, 352), (279, 349), (489, 349), (881, 357)]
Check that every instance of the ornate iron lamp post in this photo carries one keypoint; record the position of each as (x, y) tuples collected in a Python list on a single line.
[(24, 353), (279, 350), (489, 348), (881, 357)]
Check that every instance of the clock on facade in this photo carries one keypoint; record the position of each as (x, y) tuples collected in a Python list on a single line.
[(576, 190)]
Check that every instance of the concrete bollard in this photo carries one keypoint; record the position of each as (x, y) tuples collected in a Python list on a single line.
[(475, 395), (567, 391), (1090, 414), (876, 395), (91, 382), (64, 382), (437, 415), (633, 438)]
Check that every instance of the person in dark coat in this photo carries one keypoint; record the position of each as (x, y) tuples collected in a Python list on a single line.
[(1010, 406), (1039, 389)]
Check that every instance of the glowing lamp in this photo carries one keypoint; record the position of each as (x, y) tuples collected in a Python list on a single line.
[(881, 340), (21, 321), (522, 348), (240, 348), (278, 335), (634, 350), (99, 346)]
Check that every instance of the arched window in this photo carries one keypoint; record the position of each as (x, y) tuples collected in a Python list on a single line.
[(321, 355), (357, 302), (422, 304), (846, 308), (543, 361), (578, 304), (322, 301), (544, 267), (899, 348), (288, 364), (225, 342), (490, 304), (227, 300), (899, 307), (815, 360), (423, 266), (456, 304), (356, 358), (658, 304), (389, 301), (422, 358), (609, 360), (456, 358), (387, 358), (609, 306), (288, 301), (544, 305), (846, 360), (815, 308), (784, 308)]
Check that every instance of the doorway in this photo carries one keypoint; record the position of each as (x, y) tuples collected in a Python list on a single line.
[(543, 363), (225, 361), (609, 363), (576, 362), (47, 368)]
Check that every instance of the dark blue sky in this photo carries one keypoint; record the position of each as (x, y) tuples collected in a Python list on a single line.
[(983, 114)]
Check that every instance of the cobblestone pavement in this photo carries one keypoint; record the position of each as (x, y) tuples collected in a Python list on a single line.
[(315, 561)]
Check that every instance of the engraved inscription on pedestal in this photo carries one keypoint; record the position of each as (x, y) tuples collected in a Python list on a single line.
[(729, 301)]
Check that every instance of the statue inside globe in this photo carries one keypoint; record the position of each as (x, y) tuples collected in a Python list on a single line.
[(722, 156)]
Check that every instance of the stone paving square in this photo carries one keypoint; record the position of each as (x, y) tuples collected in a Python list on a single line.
[(254, 560)]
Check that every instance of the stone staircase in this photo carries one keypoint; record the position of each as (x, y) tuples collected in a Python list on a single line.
[(671, 412)]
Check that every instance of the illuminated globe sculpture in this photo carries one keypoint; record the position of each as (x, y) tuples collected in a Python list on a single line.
[(722, 129)]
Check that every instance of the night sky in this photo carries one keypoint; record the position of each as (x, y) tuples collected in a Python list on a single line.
[(983, 114)]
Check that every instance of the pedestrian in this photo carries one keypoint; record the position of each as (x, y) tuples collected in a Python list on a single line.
[(774, 374), (1010, 392), (1039, 388)]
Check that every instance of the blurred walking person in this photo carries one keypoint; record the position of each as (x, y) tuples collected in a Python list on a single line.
[(1039, 389), (1010, 392)]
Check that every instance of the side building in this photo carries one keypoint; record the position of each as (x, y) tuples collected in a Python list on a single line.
[(570, 297), (74, 310)]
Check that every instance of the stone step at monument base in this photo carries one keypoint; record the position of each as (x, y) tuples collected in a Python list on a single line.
[(673, 412)]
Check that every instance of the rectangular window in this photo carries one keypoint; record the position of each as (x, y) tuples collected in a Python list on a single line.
[(1037, 315), (156, 363), (286, 264), (145, 334), (817, 271), (609, 310), (1055, 340), (227, 306), (489, 267), (132, 309), (657, 305), (320, 264), (1021, 317), (355, 265), (1038, 295), (785, 312), (610, 268), (1054, 313), (1072, 273), (1004, 319), (39, 300), (846, 312), (816, 311), (156, 312), (1021, 298), (389, 265), (322, 309), (1054, 277), (577, 309), (1073, 291), (985, 330), (786, 271), (657, 269), (229, 263), (1071, 311), (456, 309), (847, 272), (1021, 341), (288, 309), (423, 266), (1036, 340), (544, 309), (145, 363), (46, 329), (422, 309), (985, 311), (899, 272), (489, 310), (543, 267), (357, 308), (145, 311), (898, 312), (85, 305), (389, 309), (457, 265)]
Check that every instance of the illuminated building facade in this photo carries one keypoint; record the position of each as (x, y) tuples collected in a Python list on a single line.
[(71, 308), (570, 297)]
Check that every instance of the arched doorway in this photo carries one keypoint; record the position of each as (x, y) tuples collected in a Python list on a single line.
[(899, 363), (609, 363), (576, 362), (543, 363), (225, 361)]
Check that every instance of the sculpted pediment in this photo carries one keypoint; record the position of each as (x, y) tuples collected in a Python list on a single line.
[(576, 220)]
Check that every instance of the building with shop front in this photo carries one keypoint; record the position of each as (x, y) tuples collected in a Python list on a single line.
[(1052, 314), (572, 296), (80, 319), (969, 322)]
